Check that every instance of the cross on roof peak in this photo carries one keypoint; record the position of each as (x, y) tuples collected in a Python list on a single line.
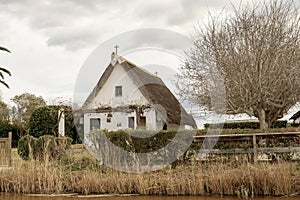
[(116, 47)]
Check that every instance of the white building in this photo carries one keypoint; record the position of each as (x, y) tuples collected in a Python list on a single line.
[(128, 96)]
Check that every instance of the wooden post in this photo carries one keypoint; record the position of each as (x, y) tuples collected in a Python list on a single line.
[(61, 122), (254, 149), (9, 148)]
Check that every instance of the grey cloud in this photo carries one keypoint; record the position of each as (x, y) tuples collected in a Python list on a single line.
[(73, 39), (59, 20), (191, 5), (179, 18), (152, 10), (165, 13), (189, 10), (150, 38)]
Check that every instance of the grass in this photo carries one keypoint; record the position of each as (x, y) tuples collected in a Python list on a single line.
[(78, 172)]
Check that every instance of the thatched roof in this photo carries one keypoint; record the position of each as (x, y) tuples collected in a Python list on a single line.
[(152, 88)]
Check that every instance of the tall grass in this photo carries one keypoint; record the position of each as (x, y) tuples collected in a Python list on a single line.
[(231, 178)]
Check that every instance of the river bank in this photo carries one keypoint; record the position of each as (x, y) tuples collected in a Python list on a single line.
[(237, 177), (5, 196)]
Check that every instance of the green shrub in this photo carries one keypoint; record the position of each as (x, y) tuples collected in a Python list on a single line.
[(148, 141), (244, 125), (27, 147), (280, 124), (5, 128), (44, 121)]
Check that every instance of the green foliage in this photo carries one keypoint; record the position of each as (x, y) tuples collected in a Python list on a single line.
[(148, 141), (26, 147), (42, 148), (4, 70), (245, 125), (26, 103), (6, 127), (280, 124), (44, 121), (4, 111), (4, 49)]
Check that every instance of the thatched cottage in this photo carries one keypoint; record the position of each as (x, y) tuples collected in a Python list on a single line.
[(128, 96)]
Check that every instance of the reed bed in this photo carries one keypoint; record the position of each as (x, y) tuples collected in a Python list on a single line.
[(239, 178)]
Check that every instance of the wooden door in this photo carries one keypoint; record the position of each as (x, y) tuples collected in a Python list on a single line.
[(131, 122)]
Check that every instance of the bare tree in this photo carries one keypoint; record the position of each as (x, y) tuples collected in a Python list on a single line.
[(257, 52)]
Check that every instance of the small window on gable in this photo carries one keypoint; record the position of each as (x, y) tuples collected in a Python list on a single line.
[(108, 119), (118, 91)]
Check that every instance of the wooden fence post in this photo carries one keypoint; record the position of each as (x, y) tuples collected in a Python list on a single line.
[(255, 156), (9, 148)]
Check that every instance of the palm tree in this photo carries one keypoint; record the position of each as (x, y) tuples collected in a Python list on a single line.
[(4, 70)]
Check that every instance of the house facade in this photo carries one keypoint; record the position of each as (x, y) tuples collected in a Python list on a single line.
[(129, 97)]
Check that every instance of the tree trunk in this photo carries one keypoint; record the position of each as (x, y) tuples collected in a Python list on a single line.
[(262, 119)]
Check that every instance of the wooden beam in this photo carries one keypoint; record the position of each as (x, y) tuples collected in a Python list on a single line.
[(254, 137), (259, 150), (255, 156), (9, 148)]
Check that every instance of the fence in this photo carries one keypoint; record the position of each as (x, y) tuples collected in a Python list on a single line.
[(5, 151), (255, 144)]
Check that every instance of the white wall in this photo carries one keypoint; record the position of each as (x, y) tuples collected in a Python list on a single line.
[(119, 117), (130, 96), (130, 92)]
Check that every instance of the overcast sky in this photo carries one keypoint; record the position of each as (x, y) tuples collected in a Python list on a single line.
[(50, 40)]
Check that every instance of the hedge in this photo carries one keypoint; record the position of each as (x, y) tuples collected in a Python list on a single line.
[(150, 141), (245, 125)]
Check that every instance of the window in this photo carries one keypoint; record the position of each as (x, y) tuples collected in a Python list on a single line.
[(118, 91), (119, 124), (108, 119), (95, 123)]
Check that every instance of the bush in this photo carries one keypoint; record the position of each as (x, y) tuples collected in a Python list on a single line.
[(44, 121), (42, 148), (26, 147), (245, 125), (280, 124), (5, 128), (146, 142)]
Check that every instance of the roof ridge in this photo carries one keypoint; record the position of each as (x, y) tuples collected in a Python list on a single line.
[(139, 67)]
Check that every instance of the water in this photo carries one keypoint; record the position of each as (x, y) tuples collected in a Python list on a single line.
[(4, 196)]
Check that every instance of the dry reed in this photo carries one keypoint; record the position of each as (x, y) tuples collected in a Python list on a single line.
[(237, 178)]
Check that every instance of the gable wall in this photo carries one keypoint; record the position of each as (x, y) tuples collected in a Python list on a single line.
[(130, 93)]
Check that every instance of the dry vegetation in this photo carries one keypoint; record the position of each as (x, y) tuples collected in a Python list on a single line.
[(81, 174)]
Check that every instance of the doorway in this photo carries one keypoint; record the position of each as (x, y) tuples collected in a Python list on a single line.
[(131, 122), (142, 123)]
